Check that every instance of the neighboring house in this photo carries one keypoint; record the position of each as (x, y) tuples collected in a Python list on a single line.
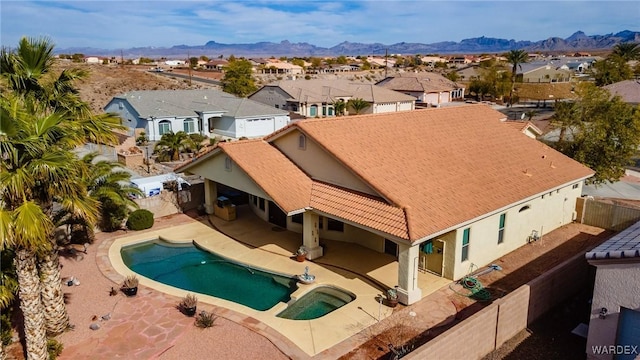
[(216, 64), (175, 62), (628, 90), (315, 98), (438, 189), (207, 112), (469, 72), (536, 73), (615, 307), (92, 60), (277, 67), (427, 87)]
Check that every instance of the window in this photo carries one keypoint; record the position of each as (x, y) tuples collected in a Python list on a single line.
[(261, 204), (297, 218), (164, 127), (335, 225), (302, 142), (255, 200), (465, 244), (313, 110), (524, 208), (189, 126), (227, 163), (501, 228)]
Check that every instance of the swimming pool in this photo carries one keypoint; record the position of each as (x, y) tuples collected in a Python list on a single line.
[(317, 303), (188, 267)]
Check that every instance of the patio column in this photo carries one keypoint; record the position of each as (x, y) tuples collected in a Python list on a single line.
[(311, 235), (210, 195), (408, 290)]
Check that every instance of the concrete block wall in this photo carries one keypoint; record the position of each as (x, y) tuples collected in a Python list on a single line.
[(492, 326), (470, 339), (513, 313)]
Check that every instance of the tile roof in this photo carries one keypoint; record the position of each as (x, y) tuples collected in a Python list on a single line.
[(628, 90), (434, 169), (169, 103), (423, 81), (280, 178), (625, 244), (319, 90), (444, 166)]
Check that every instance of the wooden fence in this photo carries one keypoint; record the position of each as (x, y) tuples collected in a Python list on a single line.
[(606, 215)]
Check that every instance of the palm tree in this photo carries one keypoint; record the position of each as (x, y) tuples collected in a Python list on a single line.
[(627, 51), (110, 185), (171, 144), (43, 120), (515, 58), (339, 106), (357, 105)]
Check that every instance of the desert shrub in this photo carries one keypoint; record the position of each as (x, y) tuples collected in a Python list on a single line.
[(205, 319), (54, 347), (6, 332), (140, 219)]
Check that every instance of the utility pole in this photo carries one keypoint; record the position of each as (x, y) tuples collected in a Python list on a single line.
[(189, 63), (386, 65)]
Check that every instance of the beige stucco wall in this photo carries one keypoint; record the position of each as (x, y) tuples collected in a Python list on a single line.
[(319, 164), (543, 215), (616, 285), (213, 169)]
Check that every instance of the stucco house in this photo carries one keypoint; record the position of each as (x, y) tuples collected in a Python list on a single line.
[(315, 98), (614, 325), (427, 87), (538, 73), (208, 112), (439, 189)]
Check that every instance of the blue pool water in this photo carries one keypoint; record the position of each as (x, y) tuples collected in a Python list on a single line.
[(188, 267), (316, 303)]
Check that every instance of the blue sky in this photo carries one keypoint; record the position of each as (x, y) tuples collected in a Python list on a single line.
[(125, 24)]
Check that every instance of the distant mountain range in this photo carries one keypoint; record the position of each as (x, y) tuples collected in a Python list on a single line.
[(579, 41)]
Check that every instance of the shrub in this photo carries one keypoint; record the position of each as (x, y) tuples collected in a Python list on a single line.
[(6, 331), (54, 348), (140, 219), (205, 319)]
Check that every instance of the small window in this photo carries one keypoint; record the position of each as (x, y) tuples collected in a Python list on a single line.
[(465, 244), (335, 225), (227, 163), (302, 142), (503, 217), (164, 127), (261, 204), (524, 208), (575, 186), (255, 200), (297, 218), (189, 126)]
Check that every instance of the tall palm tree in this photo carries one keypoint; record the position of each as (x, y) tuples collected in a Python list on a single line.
[(515, 58), (43, 120), (171, 144), (357, 105), (627, 51)]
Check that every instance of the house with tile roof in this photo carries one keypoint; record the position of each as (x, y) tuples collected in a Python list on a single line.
[(315, 98), (208, 112), (628, 90), (615, 306), (439, 189), (427, 87)]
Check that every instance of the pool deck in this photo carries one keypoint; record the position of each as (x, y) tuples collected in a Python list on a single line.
[(361, 271)]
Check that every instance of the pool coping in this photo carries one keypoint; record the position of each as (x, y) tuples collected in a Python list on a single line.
[(263, 322)]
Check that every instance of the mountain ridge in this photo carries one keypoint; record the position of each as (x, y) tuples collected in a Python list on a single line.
[(578, 41)]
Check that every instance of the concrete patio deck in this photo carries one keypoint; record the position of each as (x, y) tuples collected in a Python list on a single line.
[(362, 271)]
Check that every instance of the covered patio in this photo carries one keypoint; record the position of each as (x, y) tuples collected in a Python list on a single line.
[(348, 259)]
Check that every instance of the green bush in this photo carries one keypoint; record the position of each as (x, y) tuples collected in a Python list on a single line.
[(54, 348), (140, 219), (6, 330)]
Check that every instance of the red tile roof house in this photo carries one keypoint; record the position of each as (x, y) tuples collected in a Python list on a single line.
[(427, 87), (439, 189)]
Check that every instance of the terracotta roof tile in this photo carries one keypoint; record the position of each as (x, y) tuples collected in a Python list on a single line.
[(359, 208), (447, 165), (282, 180)]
